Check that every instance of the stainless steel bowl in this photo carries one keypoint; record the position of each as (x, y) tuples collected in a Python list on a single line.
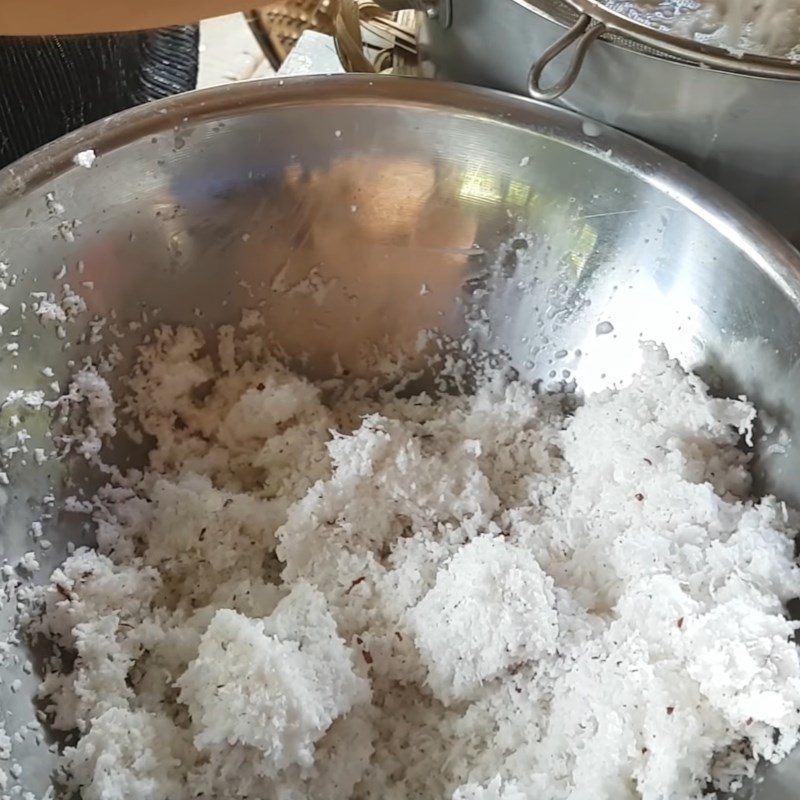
[(736, 127), (355, 212)]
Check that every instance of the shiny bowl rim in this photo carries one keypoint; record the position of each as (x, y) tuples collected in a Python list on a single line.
[(764, 246)]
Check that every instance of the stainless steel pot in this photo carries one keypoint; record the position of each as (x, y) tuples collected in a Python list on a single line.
[(739, 126), (355, 212)]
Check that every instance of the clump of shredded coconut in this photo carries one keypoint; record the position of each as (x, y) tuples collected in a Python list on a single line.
[(355, 594), (280, 681), (85, 158), (490, 609), (89, 395)]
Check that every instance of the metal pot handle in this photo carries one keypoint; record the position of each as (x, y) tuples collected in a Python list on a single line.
[(584, 33)]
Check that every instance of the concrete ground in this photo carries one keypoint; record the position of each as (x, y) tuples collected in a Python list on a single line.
[(229, 52)]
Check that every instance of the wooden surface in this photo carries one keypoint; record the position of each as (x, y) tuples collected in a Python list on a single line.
[(45, 17)]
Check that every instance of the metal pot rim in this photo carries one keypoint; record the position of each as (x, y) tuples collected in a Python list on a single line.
[(666, 45), (761, 243)]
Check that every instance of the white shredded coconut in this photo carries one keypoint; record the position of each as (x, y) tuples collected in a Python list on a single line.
[(66, 228), (5, 744), (90, 392), (360, 595), (49, 309), (53, 206), (280, 682), (30, 399), (490, 609), (28, 563), (85, 158)]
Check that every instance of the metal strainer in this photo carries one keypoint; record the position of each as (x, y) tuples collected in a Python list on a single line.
[(592, 19)]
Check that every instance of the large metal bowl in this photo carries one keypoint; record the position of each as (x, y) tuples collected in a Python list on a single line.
[(355, 212)]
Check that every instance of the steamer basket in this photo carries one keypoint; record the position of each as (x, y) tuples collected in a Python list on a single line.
[(735, 120)]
